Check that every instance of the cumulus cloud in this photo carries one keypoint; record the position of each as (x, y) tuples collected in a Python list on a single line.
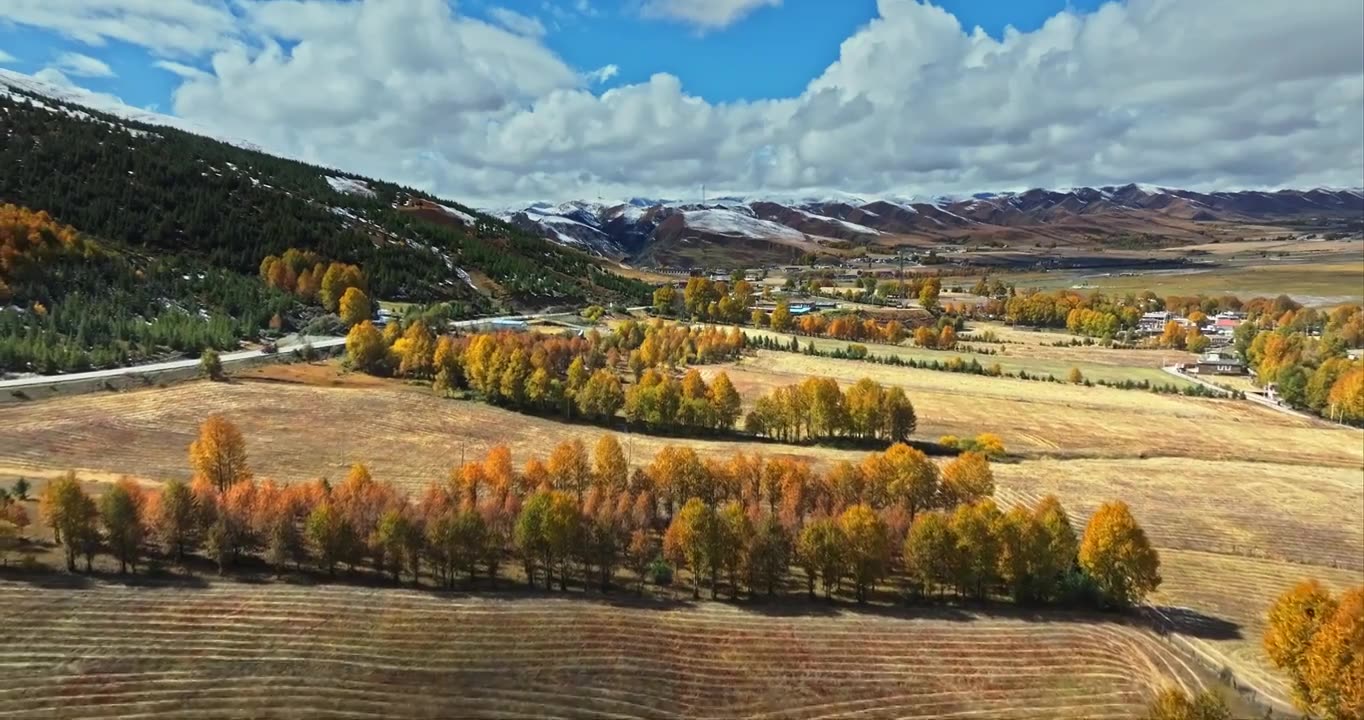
[(704, 14), (6, 58), (82, 66), (1146, 91), (516, 22)]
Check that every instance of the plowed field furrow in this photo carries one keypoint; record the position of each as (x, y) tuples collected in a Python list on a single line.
[(243, 651)]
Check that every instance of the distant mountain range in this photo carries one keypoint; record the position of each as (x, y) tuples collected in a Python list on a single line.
[(732, 230)]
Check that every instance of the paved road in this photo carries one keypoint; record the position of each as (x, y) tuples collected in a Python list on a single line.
[(286, 346), (153, 368)]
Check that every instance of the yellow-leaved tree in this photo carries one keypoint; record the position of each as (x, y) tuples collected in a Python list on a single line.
[(366, 348), (1334, 664), (1118, 556), (355, 306), (1318, 641), (218, 455)]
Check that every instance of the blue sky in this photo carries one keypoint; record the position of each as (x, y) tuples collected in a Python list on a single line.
[(504, 101), (771, 53)]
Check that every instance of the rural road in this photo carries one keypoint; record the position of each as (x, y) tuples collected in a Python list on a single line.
[(318, 342), (152, 368)]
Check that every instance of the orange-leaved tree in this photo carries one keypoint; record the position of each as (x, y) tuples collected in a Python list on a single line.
[(218, 455)]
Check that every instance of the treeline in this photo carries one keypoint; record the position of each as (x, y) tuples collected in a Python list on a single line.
[(69, 303), (1317, 639), (570, 375), (818, 409), (1304, 353), (578, 517)]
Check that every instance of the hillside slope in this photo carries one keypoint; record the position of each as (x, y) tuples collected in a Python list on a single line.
[(178, 225)]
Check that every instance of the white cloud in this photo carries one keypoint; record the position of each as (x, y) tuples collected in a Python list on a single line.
[(705, 14), (1146, 91), (602, 74), (164, 26), (6, 58), (82, 66), (516, 22), (181, 69)]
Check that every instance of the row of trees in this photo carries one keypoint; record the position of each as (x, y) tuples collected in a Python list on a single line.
[(817, 408), (746, 520), (303, 273), (568, 374), (1317, 639)]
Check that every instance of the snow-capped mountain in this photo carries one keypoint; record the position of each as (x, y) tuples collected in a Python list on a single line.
[(772, 228)]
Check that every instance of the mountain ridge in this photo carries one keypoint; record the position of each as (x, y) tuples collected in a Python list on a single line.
[(651, 232)]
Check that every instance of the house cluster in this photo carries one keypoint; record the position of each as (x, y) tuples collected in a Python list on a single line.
[(1222, 324)]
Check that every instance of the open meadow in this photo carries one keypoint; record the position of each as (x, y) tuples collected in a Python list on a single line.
[(1240, 500), (1313, 272), (273, 650)]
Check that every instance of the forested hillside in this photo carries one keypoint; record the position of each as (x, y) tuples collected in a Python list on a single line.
[(177, 226)]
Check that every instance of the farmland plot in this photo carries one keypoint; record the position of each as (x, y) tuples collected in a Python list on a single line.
[(273, 650)]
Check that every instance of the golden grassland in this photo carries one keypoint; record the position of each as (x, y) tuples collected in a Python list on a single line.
[(1319, 273), (237, 649), (1236, 590), (1233, 494)]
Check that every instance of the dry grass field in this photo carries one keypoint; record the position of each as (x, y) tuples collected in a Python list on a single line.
[(1033, 358), (1240, 500), (1315, 272), (240, 650)]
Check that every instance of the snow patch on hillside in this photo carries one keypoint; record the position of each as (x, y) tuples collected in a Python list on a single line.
[(463, 217), (349, 186), (730, 222), (854, 227)]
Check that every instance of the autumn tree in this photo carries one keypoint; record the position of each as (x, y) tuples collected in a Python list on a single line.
[(725, 403), (913, 479), (767, 556), (868, 548), (821, 553), (966, 479), (781, 316), (415, 351), (1293, 623), (692, 538), (1174, 704), (569, 469), (975, 527), (601, 396), (929, 292), (173, 517), (1058, 547), (930, 551), (1117, 555), (366, 348), (639, 554), (355, 307), (610, 472), (219, 453), (1075, 377), (329, 534), (121, 514), (71, 514), (1333, 665)]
